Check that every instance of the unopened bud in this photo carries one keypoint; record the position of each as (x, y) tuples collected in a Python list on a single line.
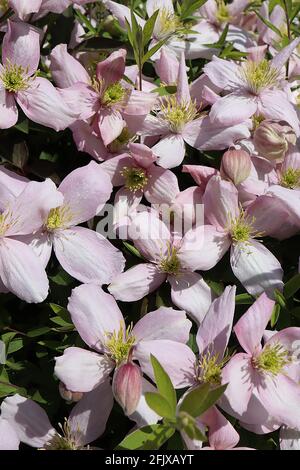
[(68, 395), (127, 386), (272, 139), (236, 165)]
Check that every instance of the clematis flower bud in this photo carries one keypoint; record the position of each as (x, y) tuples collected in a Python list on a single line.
[(68, 395), (236, 165), (127, 386), (272, 139)]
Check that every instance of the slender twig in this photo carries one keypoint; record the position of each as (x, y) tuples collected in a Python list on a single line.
[(288, 33)]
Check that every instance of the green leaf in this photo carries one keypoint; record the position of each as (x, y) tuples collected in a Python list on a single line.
[(159, 404), (85, 22), (14, 345), (275, 315), (292, 286), (164, 384), (23, 126), (62, 278), (148, 28), (62, 313), (38, 332), (189, 7), (132, 249), (269, 24), (147, 438), (280, 299), (200, 399), (152, 51), (244, 299)]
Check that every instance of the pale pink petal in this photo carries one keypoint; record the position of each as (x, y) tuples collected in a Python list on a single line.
[(153, 5), (8, 109), (121, 12), (222, 73), (81, 99), (28, 419), (11, 185), (282, 57), (88, 141), (221, 433), (95, 314), (21, 46), (200, 174), (139, 104), (112, 69), (150, 235), (190, 292), (111, 125), (164, 323), (65, 69), (170, 150), (126, 203), (167, 66), (153, 126), (202, 248), (89, 416), (250, 327), (162, 186), (177, 359), (24, 7), (256, 268), (144, 415), (42, 103), (114, 166), (221, 202), (233, 109), (142, 154), (81, 370), (8, 437), (87, 255), (203, 134), (238, 374), (215, 330), (85, 192), (22, 272), (41, 244), (136, 282), (183, 91), (288, 198), (275, 105)]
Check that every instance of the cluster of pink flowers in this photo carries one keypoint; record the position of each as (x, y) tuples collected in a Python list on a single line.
[(137, 130)]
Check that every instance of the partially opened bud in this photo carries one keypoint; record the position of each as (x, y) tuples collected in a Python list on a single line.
[(68, 395), (236, 165), (127, 386), (272, 139)]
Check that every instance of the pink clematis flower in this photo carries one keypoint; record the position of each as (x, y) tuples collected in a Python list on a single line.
[(86, 422), (23, 207), (252, 263), (138, 175), (86, 255), (252, 88), (101, 325), (178, 121), (104, 100), (24, 7), (263, 382), (38, 98), (169, 260)]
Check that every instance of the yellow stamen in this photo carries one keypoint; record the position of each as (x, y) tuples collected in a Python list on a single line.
[(178, 114), (272, 359), (258, 75), (119, 344), (59, 218)]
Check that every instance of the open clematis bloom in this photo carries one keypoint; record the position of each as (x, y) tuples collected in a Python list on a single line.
[(24, 7), (19, 83), (138, 175), (179, 121), (23, 207), (101, 325), (254, 88), (263, 381), (103, 99), (86, 422), (252, 263), (169, 260), (85, 254)]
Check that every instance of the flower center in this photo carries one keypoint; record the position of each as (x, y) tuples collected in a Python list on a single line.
[(113, 94), (135, 178), (222, 14), (120, 141), (6, 221), (178, 114), (209, 369), (168, 22), (59, 217), (67, 440), (290, 178), (272, 359), (257, 119), (119, 344), (14, 78), (170, 264), (258, 75), (241, 228), (4, 5)]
